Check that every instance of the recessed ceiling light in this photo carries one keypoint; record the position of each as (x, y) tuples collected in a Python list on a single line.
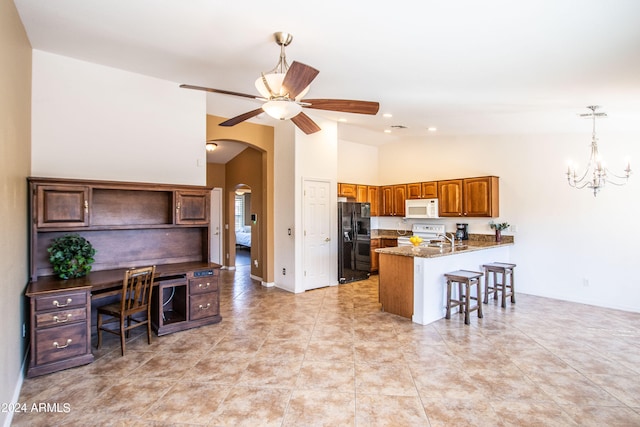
[(387, 115), (387, 131), (432, 129)]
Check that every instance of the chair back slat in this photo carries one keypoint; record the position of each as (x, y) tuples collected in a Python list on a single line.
[(136, 289)]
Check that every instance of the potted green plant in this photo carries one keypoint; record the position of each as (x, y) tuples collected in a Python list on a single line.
[(498, 227), (71, 256)]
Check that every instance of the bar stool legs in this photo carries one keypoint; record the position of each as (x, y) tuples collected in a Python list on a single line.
[(499, 271), (465, 280)]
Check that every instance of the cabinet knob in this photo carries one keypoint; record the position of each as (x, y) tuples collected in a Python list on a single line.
[(200, 285), (203, 307)]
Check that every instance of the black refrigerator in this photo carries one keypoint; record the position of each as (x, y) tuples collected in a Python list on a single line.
[(354, 237)]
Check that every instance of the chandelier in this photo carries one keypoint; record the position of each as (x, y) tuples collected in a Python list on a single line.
[(597, 174)]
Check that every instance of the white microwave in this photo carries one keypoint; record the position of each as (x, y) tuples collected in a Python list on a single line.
[(421, 208)]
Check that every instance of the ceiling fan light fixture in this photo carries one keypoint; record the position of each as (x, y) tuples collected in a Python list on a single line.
[(211, 146), (274, 82), (282, 109)]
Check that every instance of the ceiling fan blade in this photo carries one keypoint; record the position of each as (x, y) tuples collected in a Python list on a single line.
[(298, 77), (224, 92), (343, 105), (305, 123), (241, 118)]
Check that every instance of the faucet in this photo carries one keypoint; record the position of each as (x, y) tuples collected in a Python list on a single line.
[(451, 239)]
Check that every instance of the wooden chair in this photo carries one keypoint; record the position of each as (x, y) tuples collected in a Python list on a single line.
[(136, 300)]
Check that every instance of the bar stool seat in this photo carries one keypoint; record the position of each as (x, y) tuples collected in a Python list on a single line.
[(465, 279), (500, 272)]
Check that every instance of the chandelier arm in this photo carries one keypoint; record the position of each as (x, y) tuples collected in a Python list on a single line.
[(625, 176)]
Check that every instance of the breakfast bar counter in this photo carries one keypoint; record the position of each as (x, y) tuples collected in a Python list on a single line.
[(412, 282)]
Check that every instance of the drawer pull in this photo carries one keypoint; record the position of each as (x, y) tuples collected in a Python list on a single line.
[(57, 304), (56, 345), (63, 320), (200, 285), (204, 307)]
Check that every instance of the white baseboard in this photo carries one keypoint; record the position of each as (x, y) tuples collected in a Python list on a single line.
[(268, 284), (16, 391)]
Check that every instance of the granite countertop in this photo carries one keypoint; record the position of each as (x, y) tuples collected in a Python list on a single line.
[(433, 252)]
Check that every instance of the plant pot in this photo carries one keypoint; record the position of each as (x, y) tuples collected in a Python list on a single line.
[(498, 236)]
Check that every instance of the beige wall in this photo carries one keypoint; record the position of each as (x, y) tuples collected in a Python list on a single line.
[(15, 153), (215, 175)]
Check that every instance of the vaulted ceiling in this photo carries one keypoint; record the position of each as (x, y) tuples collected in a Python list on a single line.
[(462, 66)]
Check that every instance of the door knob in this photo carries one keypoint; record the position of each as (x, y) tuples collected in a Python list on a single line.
[(327, 239)]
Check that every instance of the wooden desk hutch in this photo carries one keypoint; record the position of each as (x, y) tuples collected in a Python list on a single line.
[(129, 225)]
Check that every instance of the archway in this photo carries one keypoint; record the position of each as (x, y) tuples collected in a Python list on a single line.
[(258, 162)]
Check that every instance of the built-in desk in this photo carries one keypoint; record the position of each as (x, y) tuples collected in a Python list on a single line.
[(186, 295)]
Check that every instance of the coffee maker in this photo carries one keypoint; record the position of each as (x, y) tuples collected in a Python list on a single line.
[(462, 231)]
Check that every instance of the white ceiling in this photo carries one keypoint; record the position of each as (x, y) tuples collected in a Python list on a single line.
[(463, 66)]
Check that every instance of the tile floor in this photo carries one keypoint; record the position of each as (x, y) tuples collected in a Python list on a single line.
[(329, 357)]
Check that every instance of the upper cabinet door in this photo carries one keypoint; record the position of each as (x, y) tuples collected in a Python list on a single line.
[(399, 196), (481, 196), (450, 200), (373, 198), (192, 207), (62, 205), (414, 190), (430, 190)]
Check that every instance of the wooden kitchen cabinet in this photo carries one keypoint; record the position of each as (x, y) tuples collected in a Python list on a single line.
[(362, 193), (481, 197), (347, 190), (469, 197), (393, 198), (422, 190), (383, 242), (414, 190), (430, 190), (373, 197), (375, 244)]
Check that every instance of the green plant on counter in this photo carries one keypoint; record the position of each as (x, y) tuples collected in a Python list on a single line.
[(499, 226), (71, 256)]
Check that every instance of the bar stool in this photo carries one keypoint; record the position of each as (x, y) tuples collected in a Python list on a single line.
[(503, 269), (465, 279)]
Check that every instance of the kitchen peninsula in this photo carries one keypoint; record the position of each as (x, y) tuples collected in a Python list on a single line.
[(411, 280)]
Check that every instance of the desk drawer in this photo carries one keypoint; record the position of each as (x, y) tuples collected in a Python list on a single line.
[(60, 317), (60, 343), (206, 284), (204, 305), (65, 300)]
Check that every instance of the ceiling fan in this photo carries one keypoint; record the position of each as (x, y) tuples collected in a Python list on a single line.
[(283, 88)]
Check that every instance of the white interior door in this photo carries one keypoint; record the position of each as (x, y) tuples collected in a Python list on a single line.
[(216, 226), (317, 259)]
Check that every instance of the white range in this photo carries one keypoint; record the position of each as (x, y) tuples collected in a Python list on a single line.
[(426, 231)]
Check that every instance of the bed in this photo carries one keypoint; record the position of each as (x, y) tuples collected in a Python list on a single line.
[(243, 236)]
